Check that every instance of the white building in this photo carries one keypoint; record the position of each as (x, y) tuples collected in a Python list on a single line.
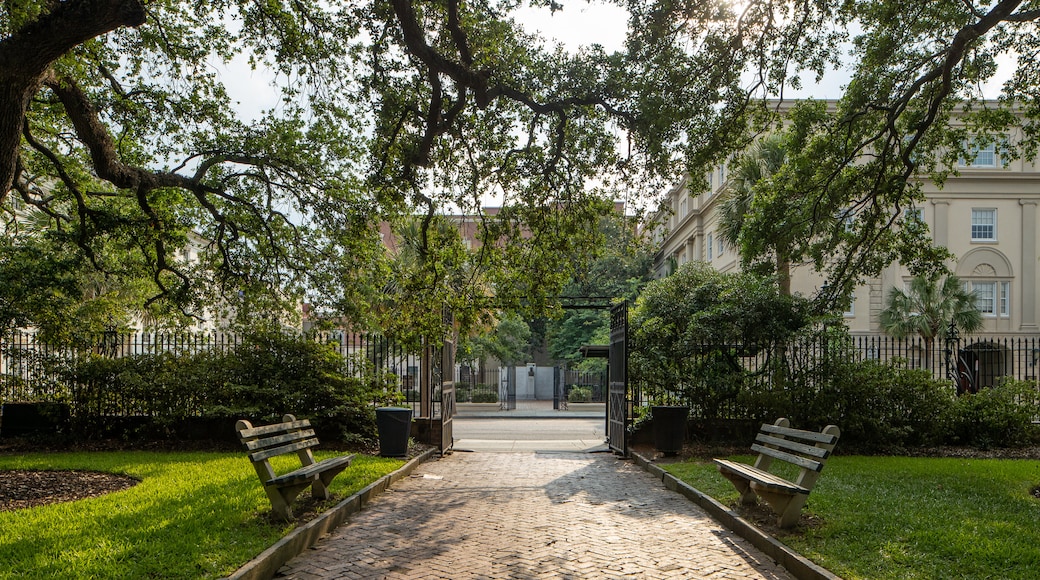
[(986, 216)]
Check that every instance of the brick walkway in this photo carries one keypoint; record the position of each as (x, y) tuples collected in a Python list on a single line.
[(531, 515)]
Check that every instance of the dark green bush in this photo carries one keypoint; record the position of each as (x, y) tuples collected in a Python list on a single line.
[(267, 375), (878, 406), (272, 373), (1000, 416), (580, 394), (485, 397)]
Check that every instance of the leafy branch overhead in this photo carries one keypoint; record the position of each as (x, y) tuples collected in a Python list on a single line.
[(126, 128)]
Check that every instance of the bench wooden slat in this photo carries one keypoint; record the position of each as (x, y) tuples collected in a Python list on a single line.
[(806, 435), (793, 446), (761, 477), (285, 438), (255, 432), (269, 453), (313, 470), (278, 440), (801, 448), (788, 457)]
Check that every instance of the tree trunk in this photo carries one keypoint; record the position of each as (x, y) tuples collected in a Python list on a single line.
[(929, 348), (13, 101), (28, 53), (783, 275)]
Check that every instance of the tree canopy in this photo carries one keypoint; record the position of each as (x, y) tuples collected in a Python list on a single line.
[(699, 312), (115, 124)]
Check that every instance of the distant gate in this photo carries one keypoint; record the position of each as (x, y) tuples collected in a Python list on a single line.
[(617, 376), (509, 404)]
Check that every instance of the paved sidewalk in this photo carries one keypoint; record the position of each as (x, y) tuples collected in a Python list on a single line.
[(531, 515)]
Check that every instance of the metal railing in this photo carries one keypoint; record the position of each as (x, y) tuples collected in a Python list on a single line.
[(32, 370), (714, 374)]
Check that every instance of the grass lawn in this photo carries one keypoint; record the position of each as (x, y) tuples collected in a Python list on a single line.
[(900, 517), (194, 515)]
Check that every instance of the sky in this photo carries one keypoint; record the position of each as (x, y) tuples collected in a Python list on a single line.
[(579, 23)]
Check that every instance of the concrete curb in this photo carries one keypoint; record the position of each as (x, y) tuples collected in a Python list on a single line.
[(266, 565), (798, 565)]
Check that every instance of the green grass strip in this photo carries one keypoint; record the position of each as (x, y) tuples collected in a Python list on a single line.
[(906, 518), (194, 515)]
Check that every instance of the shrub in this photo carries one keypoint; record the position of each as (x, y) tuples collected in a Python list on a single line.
[(485, 397), (683, 329), (1001, 416), (267, 375), (579, 394), (878, 406)]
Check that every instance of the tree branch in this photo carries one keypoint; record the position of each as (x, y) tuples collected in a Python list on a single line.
[(27, 54)]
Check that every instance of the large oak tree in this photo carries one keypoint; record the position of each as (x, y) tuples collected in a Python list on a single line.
[(115, 123)]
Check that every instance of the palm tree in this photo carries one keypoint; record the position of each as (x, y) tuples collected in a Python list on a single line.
[(927, 308), (759, 163)]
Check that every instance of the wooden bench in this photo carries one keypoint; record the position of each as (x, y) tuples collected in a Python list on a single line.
[(807, 450), (289, 436)]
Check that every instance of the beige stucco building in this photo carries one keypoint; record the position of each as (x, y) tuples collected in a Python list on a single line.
[(986, 216)]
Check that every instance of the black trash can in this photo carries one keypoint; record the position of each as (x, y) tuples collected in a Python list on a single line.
[(669, 428), (395, 426)]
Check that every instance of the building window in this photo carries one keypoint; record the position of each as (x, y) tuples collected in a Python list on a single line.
[(847, 217), (983, 224), (914, 214), (16, 202), (683, 207), (985, 155), (711, 246), (993, 299), (850, 312), (985, 297), (722, 246)]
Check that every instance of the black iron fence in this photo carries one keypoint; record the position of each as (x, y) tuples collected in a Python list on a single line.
[(34, 371), (710, 380), (585, 386), (478, 385)]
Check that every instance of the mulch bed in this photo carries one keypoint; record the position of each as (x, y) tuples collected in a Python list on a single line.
[(21, 488)]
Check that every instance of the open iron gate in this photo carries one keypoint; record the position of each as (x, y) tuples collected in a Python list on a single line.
[(447, 386), (447, 396), (617, 376)]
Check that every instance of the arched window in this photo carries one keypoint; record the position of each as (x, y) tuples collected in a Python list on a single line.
[(987, 273)]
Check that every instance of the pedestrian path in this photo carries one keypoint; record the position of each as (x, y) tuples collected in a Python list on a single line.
[(531, 515), (532, 409)]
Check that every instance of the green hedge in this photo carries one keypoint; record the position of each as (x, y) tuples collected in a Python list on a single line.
[(1001, 416), (579, 394), (886, 408), (267, 375)]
